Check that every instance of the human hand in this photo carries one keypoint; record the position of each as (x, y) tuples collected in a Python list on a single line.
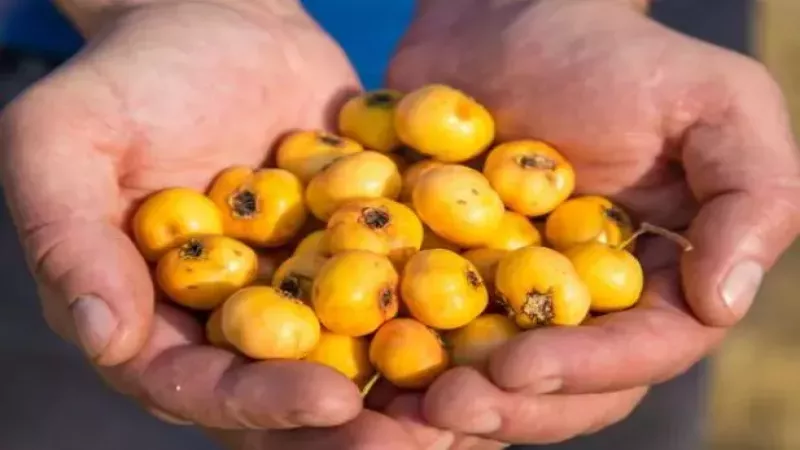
[(168, 95), (683, 134)]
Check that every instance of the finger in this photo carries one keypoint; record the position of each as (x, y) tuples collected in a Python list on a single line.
[(649, 344), (62, 192), (370, 430), (465, 401), (406, 409), (742, 164), (215, 388)]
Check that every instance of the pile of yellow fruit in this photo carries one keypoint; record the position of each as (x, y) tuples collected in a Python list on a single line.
[(404, 244)]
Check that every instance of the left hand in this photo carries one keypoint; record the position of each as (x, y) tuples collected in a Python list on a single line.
[(681, 133)]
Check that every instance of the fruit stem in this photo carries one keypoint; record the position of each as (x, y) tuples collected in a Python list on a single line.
[(647, 227), (370, 384)]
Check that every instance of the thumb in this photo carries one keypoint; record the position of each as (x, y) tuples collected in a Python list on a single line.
[(63, 195), (742, 165)]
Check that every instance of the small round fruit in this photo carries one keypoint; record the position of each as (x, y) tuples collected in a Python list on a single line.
[(412, 175), (613, 276), (378, 225), (408, 354), (268, 263), (485, 261), (264, 208), (472, 344), (539, 286), (442, 289), (214, 334), (365, 174), (530, 176), (346, 354), (431, 240), (263, 323), (295, 277), (444, 123), (204, 271), (170, 217), (355, 292), (587, 219), (315, 243), (369, 119), (515, 231), (305, 153), (458, 204)]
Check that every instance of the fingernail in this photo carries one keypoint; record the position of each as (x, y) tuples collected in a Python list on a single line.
[(548, 385), (741, 285), (485, 423), (94, 324), (444, 442)]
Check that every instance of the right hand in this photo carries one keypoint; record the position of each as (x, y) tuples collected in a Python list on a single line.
[(169, 95)]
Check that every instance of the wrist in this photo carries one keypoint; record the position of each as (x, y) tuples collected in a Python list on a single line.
[(90, 15)]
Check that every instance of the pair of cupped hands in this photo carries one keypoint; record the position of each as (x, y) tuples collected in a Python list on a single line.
[(684, 134)]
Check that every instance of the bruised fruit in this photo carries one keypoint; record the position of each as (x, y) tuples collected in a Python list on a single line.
[(170, 217), (355, 292), (587, 219), (458, 204), (530, 176), (444, 123), (485, 261), (295, 277), (539, 286), (408, 354), (369, 119), (378, 225), (442, 289), (412, 175), (613, 276), (515, 231), (264, 208), (305, 153), (203, 272), (263, 323), (346, 354), (365, 174), (472, 344)]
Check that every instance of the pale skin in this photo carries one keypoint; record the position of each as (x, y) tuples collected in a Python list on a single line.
[(684, 134)]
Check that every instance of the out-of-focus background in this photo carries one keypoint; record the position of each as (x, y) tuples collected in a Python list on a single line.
[(755, 400)]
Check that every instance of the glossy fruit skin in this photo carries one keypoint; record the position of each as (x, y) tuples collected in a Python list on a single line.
[(458, 204), (412, 175), (369, 119), (530, 176), (355, 292), (170, 217), (540, 287), (408, 354), (365, 174), (378, 225), (315, 243), (204, 271), (295, 277), (472, 344), (614, 277), (431, 240), (346, 354), (214, 334), (515, 231), (585, 219), (262, 323), (306, 153), (442, 289), (264, 208), (444, 123)]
